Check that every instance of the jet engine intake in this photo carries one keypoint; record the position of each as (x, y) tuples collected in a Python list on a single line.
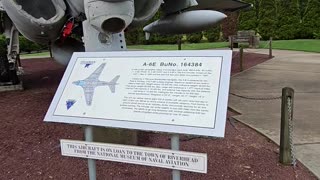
[(40, 21), (144, 11), (109, 16)]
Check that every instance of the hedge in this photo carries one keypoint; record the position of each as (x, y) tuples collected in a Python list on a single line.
[(194, 37), (289, 19), (213, 34), (29, 46)]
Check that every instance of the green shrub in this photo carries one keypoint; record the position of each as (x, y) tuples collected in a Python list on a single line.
[(25, 45), (132, 37), (164, 39), (3, 60), (29, 46), (286, 32), (194, 37), (3, 46), (267, 29), (304, 31), (213, 34), (316, 35)]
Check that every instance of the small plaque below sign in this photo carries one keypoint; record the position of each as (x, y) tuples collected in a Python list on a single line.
[(178, 160)]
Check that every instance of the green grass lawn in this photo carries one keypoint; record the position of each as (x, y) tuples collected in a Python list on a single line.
[(308, 45), (34, 55), (185, 46)]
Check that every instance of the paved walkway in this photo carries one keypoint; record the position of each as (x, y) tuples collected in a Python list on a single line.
[(299, 70)]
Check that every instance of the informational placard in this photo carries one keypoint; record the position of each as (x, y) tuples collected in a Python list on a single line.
[(178, 160), (170, 91)]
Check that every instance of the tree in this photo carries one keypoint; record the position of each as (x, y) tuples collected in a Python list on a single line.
[(282, 19)]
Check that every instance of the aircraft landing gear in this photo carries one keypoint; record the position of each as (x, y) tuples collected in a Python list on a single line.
[(8, 73), (9, 57)]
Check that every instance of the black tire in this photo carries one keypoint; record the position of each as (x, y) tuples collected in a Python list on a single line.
[(7, 75), (14, 77), (4, 69)]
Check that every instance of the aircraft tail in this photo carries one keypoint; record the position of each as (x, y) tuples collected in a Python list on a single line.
[(113, 83)]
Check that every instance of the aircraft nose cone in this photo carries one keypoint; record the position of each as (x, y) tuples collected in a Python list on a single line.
[(222, 16)]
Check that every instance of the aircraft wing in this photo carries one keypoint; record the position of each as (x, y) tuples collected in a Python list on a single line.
[(96, 74), (88, 94), (221, 5), (172, 6)]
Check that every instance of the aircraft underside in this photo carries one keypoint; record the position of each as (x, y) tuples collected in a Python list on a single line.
[(60, 23)]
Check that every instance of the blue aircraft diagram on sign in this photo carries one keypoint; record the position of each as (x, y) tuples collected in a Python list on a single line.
[(90, 83), (70, 103)]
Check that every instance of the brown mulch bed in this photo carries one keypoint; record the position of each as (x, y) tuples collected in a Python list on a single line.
[(29, 148)]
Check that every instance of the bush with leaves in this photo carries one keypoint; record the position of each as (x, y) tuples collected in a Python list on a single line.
[(29, 46), (4, 76), (316, 35), (212, 34), (194, 37), (163, 39), (3, 46), (132, 36)]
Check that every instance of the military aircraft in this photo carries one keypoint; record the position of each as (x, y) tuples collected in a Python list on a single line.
[(59, 22), (89, 84)]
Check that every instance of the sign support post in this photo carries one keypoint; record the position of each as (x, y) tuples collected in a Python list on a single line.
[(175, 145), (88, 133)]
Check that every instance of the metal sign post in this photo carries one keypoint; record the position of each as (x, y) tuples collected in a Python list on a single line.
[(175, 145), (88, 131)]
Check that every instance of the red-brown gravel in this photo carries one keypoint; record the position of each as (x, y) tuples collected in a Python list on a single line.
[(29, 147)]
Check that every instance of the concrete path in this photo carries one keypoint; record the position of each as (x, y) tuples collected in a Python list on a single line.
[(299, 70)]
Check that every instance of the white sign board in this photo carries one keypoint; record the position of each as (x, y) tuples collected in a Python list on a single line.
[(178, 160), (170, 91)]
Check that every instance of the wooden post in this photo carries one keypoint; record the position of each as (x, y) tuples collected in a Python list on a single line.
[(231, 42), (50, 50), (270, 48), (286, 116), (241, 58), (179, 43)]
